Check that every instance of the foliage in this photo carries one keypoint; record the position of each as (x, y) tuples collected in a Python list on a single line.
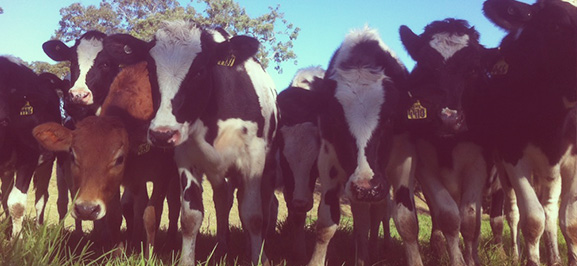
[(142, 18), (59, 69)]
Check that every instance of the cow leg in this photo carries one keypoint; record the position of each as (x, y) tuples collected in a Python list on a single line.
[(152, 214), (549, 197), (568, 210), (173, 201), (41, 181), (470, 210), (192, 213), (497, 216), (386, 222), (113, 222), (7, 184), (511, 211), (251, 215), (400, 171), (223, 199), (127, 204), (377, 214), (18, 196), (361, 226), (62, 185), (531, 213)]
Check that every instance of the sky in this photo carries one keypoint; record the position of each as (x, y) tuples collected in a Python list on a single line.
[(25, 25)]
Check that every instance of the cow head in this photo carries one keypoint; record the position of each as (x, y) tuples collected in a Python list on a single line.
[(541, 46), (359, 95), (181, 61), (449, 66), (92, 70), (98, 147)]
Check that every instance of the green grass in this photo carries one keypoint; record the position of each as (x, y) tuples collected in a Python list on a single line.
[(55, 244)]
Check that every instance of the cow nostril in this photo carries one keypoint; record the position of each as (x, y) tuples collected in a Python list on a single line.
[(87, 211), (162, 137)]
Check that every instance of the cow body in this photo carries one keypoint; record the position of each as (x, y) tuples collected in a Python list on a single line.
[(296, 155), (532, 109), (216, 106), (361, 151), (452, 166), (31, 100)]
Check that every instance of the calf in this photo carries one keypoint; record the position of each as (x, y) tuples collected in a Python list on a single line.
[(110, 150), (298, 148), (532, 108), (452, 168), (361, 148), (31, 100), (215, 105)]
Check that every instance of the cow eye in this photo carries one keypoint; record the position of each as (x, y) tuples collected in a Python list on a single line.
[(119, 160)]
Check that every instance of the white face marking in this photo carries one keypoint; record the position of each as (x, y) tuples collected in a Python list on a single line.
[(177, 45), (305, 76), (448, 44), (87, 51)]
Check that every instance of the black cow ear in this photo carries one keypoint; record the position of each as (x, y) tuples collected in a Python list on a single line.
[(411, 41), (508, 14), (237, 49), (57, 50), (126, 49)]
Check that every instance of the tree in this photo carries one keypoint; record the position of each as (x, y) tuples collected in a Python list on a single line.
[(142, 18), (59, 69)]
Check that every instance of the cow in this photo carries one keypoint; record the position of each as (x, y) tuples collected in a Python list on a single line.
[(110, 150), (297, 149), (362, 151), (531, 119), (452, 167), (31, 99), (215, 105), (92, 71)]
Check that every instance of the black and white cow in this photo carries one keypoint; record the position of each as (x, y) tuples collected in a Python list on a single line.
[(215, 105), (31, 100), (531, 120), (362, 151), (298, 144), (452, 167)]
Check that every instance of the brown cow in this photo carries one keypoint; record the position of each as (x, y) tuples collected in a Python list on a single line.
[(110, 150)]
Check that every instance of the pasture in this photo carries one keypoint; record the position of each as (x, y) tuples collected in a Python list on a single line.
[(55, 244)]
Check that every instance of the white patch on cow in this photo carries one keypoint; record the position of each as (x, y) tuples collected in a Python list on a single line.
[(448, 44), (16, 197), (87, 51), (265, 91), (305, 76), (361, 94), (217, 36), (177, 44), (301, 149)]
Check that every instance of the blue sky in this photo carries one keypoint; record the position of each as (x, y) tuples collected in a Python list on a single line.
[(25, 25)]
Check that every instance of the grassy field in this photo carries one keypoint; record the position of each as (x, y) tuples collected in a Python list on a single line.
[(55, 244)]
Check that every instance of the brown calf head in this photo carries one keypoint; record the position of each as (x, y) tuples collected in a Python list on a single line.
[(98, 147)]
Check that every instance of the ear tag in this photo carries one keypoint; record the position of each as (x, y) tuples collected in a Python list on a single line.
[(417, 111), (227, 62), (143, 148), (27, 109), (500, 68)]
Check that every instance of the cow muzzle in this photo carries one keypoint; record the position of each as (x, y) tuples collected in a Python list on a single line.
[(301, 206), (88, 210), (166, 138), (83, 97), (453, 122), (369, 190)]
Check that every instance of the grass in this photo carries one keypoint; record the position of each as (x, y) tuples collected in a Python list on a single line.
[(55, 244)]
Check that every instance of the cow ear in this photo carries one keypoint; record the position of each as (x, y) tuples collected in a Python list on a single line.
[(411, 41), (57, 50), (126, 49), (237, 49), (53, 136), (508, 14)]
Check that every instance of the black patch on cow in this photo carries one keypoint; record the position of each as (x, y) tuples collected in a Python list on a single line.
[(333, 172), (193, 195), (332, 198), (183, 180), (402, 196)]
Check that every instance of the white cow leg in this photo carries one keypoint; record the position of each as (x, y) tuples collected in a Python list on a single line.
[(328, 219), (470, 211), (532, 215), (192, 214), (251, 215), (568, 211), (512, 215), (550, 193)]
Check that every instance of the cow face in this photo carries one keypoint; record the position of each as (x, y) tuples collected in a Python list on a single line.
[(544, 45), (360, 96), (182, 59), (448, 67), (98, 147), (92, 70)]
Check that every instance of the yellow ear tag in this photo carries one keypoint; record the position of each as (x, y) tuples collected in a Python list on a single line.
[(143, 148), (227, 62), (417, 111), (27, 109), (500, 68)]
